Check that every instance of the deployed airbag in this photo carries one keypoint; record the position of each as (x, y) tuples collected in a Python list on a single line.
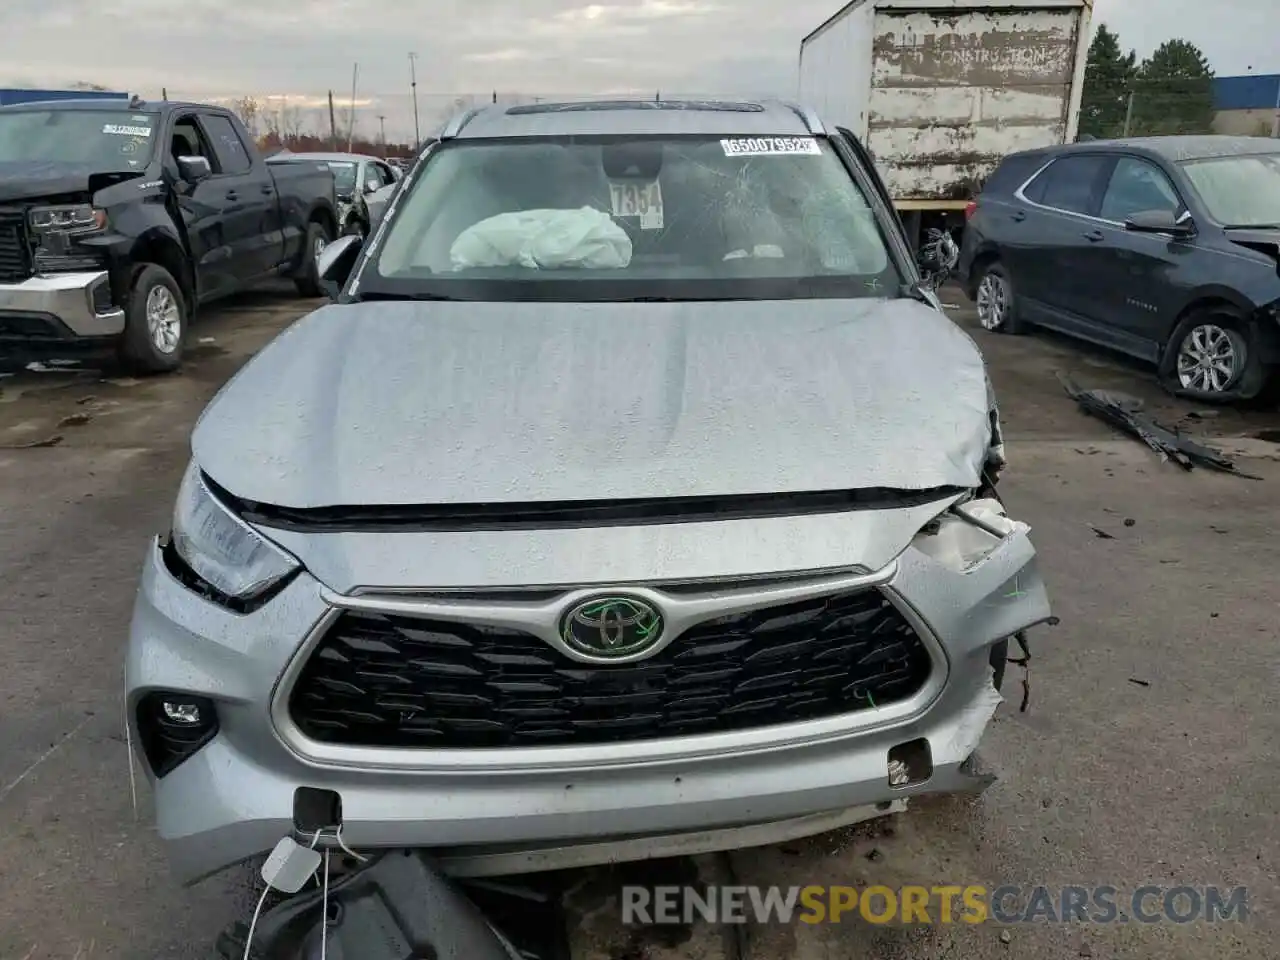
[(544, 240)]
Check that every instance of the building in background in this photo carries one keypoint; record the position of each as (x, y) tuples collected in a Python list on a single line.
[(1247, 106), (8, 97)]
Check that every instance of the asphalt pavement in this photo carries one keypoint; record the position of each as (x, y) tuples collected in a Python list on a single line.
[(1147, 754)]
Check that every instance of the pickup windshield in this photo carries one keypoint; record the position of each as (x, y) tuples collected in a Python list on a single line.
[(633, 218), (1239, 191), (108, 141)]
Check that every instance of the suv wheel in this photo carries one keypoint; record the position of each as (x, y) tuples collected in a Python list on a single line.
[(1211, 358), (997, 309)]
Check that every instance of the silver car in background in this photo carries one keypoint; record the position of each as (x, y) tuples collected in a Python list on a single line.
[(633, 497), (357, 178)]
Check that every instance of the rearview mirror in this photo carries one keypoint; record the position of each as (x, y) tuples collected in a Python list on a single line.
[(194, 169), (1160, 221), (335, 263)]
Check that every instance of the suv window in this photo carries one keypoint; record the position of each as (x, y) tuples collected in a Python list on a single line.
[(228, 148), (1013, 172), (1070, 182), (1136, 186), (618, 218)]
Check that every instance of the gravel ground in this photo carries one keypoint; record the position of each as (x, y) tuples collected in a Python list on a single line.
[(1143, 757)]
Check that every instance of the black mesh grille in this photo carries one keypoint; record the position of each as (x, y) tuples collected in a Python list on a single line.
[(382, 680), (15, 258)]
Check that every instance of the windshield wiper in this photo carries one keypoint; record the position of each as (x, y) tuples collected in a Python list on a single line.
[(383, 295)]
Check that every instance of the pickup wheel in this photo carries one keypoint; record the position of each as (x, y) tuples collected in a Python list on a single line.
[(155, 322), (308, 279)]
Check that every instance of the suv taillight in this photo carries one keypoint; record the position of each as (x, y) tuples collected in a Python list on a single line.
[(970, 209)]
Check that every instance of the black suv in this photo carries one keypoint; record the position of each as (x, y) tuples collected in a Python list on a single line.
[(1165, 248)]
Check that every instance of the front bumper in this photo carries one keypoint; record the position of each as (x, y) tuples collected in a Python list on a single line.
[(551, 807), (58, 308)]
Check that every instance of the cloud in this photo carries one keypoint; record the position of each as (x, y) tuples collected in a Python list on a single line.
[(200, 49)]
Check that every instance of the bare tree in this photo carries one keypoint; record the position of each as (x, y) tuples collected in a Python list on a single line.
[(250, 112), (290, 122)]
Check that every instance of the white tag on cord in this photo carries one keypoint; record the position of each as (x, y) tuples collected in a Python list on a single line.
[(290, 866)]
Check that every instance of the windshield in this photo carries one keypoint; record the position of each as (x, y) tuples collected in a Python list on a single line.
[(344, 176), (108, 141), (1241, 191), (624, 219)]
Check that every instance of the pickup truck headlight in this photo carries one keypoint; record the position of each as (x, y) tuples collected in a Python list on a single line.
[(74, 218), (231, 562)]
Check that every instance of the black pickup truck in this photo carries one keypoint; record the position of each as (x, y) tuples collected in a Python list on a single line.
[(118, 219)]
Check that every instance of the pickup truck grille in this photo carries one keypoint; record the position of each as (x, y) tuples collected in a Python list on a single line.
[(15, 255), (393, 681)]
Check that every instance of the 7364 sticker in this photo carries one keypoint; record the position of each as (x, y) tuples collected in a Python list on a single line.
[(771, 146), (643, 200)]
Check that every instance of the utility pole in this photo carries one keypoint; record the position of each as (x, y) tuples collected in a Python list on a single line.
[(413, 85), (333, 125), (382, 126), (164, 93), (351, 124), (1275, 123), (1128, 113)]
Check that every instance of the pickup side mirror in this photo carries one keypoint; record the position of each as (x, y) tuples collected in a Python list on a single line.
[(1160, 221), (194, 169), (335, 263)]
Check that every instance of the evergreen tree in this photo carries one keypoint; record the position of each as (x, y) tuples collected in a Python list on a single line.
[(1108, 79), (1175, 91)]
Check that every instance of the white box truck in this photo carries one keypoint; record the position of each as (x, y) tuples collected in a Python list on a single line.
[(940, 90)]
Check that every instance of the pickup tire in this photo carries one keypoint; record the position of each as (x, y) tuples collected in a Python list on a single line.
[(155, 325), (308, 279)]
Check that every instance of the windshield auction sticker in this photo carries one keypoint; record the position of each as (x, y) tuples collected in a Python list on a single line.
[(123, 130), (771, 146)]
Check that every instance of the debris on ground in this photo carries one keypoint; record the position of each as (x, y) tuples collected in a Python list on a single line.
[(52, 441), (1129, 522), (1100, 533), (75, 420), (1140, 683), (1124, 413)]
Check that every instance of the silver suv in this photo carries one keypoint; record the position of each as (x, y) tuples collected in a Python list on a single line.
[(633, 496)]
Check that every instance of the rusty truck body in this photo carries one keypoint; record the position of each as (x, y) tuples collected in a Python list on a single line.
[(941, 90)]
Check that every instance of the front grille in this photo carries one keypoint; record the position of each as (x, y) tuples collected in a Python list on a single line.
[(15, 258), (395, 681), (88, 261)]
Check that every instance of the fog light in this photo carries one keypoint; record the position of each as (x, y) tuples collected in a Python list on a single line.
[(910, 763), (184, 712), (172, 727)]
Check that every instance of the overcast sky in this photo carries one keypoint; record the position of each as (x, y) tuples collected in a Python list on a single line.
[(202, 49)]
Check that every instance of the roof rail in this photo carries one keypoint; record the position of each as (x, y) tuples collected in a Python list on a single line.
[(454, 126), (811, 120)]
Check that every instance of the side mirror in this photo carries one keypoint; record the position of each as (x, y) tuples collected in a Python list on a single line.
[(936, 258), (194, 169), (335, 263), (1161, 221)]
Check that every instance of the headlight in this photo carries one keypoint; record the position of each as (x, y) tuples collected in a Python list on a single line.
[(224, 552), (76, 218)]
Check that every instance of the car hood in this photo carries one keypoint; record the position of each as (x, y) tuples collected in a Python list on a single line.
[(417, 403), (36, 180)]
